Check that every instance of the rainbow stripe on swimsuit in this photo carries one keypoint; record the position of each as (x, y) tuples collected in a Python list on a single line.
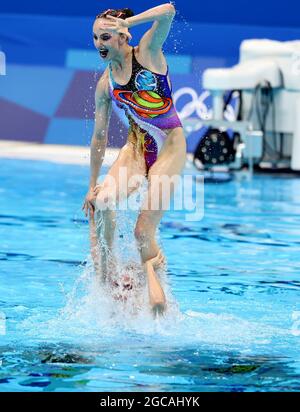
[(147, 100)]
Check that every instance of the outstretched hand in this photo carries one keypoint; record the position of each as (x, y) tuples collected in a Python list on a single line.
[(90, 200), (89, 203)]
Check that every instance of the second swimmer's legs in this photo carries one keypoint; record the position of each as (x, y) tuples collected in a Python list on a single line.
[(105, 230), (102, 227)]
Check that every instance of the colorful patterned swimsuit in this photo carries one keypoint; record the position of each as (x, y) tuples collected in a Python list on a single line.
[(147, 101)]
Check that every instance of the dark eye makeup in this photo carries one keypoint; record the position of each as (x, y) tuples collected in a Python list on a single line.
[(104, 36)]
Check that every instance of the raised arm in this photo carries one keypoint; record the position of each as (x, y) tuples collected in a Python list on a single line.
[(154, 38), (99, 138), (162, 16)]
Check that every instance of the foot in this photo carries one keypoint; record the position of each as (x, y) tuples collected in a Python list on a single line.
[(158, 309), (158, 303)]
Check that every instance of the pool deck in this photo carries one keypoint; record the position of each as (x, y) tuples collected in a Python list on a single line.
[(54, 153)]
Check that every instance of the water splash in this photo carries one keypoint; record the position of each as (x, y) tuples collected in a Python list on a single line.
[(100, 314), (181, 29), (95, 316)]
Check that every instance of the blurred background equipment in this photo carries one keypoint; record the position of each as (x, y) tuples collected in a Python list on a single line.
[(267, 126)]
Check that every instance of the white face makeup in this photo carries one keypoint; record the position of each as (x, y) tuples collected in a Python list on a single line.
[(106, 39), (103, 38)]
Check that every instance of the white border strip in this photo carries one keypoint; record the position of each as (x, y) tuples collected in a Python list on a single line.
[(52, 153), (77, 155)]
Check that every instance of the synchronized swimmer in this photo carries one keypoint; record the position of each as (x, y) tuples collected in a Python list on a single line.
[(137, 79)]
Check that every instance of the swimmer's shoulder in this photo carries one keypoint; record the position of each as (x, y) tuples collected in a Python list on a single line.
[(102, 88)]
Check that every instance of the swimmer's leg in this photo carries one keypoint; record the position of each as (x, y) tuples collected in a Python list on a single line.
[(99, 259), (145, 235), (169, 163), (93, 243), (104, 235), (110, 193)]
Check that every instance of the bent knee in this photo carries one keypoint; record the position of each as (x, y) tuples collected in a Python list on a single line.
[(143, 231), (105, 200), (139, 233)]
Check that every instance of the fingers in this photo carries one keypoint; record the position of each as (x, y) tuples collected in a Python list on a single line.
[(128, 34), (109, 26), (84, 208), (97, 189), (104, 26), (160, 259), (92, 211), (91, 208), (88, 207), (117, 24), (160, 256)]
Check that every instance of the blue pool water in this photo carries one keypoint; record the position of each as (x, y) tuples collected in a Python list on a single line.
[(233, 322)]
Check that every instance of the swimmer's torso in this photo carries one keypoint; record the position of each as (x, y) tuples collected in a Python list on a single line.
[(148, 104)]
